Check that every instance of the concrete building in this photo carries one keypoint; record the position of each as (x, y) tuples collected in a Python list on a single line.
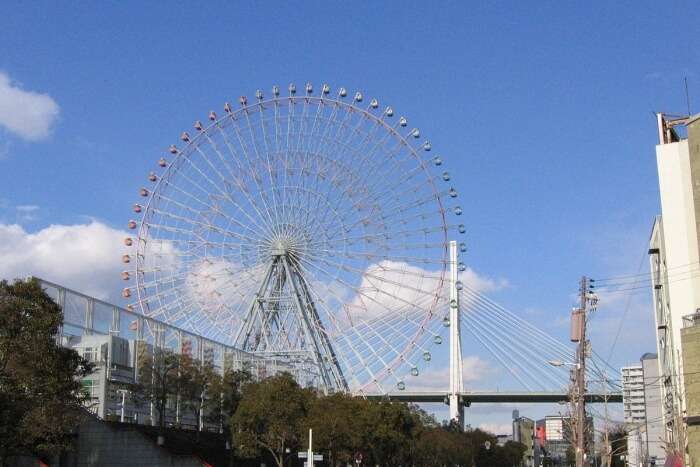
[(690, 341), (633, 394), (524, 433), (654, 449), (641, 395), (553, 437), (674, 260)]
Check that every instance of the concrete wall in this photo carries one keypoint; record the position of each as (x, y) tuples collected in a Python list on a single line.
[(655, 432), (101, 444), (679, 225), (691, 367), (680, 229)]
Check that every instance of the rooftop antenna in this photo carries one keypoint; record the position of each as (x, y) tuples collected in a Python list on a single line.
[(687, 99)]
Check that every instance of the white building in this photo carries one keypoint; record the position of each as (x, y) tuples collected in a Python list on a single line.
[(674, 259), (642, 405), (633, 394)]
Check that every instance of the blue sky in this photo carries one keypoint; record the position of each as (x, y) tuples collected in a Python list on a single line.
[(542, 111)]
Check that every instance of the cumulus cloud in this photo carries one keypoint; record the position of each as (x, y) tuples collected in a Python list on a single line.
[(474, 370), (84, 257), (28, 114), (389, 286), (497, 428)]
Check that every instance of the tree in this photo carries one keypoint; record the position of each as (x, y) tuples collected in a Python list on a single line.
[(511, 453), (226, 395), (194, 386), (41, 397), (618, 445), (390, 429), (336, 422), (269, 417), (158, 378)]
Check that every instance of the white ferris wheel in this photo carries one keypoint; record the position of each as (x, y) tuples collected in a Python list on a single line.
[(308, 227)]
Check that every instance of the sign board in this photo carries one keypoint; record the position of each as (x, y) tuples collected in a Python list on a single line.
[(318, 457), (303, 455)]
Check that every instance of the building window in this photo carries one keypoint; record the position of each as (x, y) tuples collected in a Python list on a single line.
[(90, 354), (91, 388)]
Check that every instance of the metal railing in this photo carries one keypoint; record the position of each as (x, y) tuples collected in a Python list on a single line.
[(692, 319), (88, 316)]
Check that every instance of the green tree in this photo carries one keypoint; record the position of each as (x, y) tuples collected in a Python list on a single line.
[(337, 424), (390, 430), (195, 386), (269, 417), (511, 453), (158, 378), (41, 397), (226, 395)]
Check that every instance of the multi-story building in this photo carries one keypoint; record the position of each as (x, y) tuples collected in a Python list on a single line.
[(690, 339), (674, 250), (524, 433), (641, 396), (554, 437), (633, 394)]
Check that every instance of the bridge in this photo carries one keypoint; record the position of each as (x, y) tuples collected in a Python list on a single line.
[(494, 397)]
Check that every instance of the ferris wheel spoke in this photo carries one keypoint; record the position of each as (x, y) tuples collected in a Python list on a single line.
[(361, 294), (254, 143), (272, 210), (206, 226), (374, 277), (388, 236), (249, 169), (264, 230)]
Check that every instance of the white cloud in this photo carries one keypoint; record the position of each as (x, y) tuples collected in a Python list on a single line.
[(84, 257), (497, 428), (390, 286), (474, 370), (28, 114), (482, 283)]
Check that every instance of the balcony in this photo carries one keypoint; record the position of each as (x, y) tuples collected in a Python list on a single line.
[(691, 320)]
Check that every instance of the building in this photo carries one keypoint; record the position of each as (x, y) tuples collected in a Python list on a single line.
[(120, 342), (633, 394), (690, 341), (556, 441), (654, 448), (524, 433), (642, 406), (553, 437), (674, 259)]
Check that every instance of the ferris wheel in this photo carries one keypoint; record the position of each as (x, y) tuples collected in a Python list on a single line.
[(310, 227)]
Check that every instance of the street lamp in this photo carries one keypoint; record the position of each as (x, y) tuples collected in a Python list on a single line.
[(123, 392), (559, 363)]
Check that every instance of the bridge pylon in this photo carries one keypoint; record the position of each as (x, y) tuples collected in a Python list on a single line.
[(456, 376)]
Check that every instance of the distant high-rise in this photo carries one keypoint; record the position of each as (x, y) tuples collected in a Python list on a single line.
[(633, 394), (641, 397)]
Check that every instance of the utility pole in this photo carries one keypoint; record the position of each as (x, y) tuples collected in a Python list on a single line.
[(578, 334)]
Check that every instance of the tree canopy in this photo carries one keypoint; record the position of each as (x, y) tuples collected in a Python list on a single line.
[(41, 393), (275, 414)]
